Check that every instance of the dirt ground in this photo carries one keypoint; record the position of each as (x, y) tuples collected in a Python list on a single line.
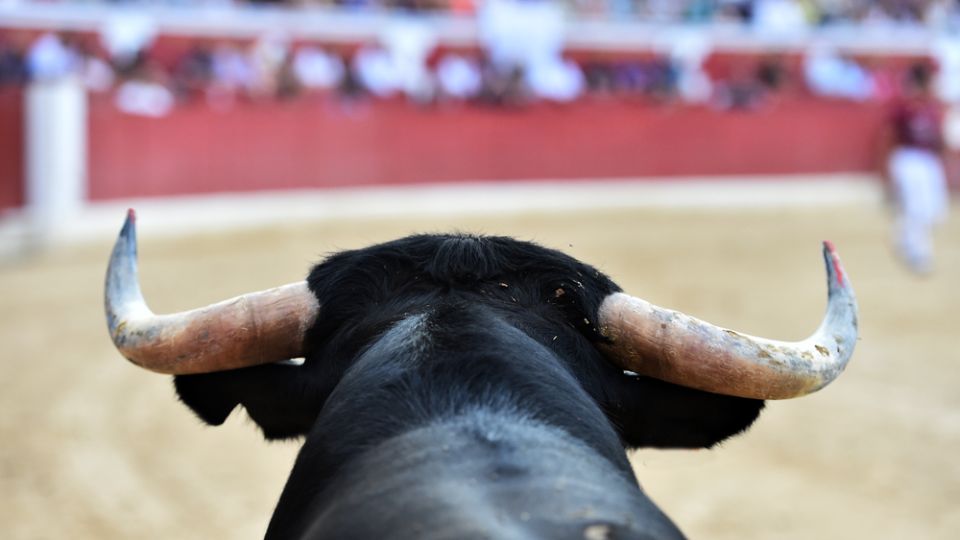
[(92, 447)]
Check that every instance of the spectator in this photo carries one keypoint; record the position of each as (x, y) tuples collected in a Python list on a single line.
[(376, 72), (144, 97), (458, 77), (288, 85), (778, 17), (688, 55), (599, 78), (830, 74), (772, 75), (504, 87), (231, 71), (556, 80), (526, 39), (144, 88), (946, 52), (409, 42), (740, 92), (50, 58), (125, 36), (734, 11), (13, 67), (267, 57), (96, 74), (398, 63), (193, 73), (316, 69)]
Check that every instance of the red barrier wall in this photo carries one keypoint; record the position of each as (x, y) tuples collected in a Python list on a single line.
[(317, 143), (11, 148)]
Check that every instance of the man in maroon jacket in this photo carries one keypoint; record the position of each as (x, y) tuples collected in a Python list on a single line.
[(915, 169)]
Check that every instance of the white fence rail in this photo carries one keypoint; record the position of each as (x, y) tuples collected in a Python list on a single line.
[(339, 26)]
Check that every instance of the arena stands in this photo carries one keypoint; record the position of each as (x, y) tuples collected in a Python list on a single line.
[(379, 92)]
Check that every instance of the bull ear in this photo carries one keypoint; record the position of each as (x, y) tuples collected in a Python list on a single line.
[(658, 414), (282, 400), (207, 395)]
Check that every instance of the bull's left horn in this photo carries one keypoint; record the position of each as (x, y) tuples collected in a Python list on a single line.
[(681, 349), (252, 329)]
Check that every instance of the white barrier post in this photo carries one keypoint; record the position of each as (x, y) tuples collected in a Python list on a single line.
[(55, 132)]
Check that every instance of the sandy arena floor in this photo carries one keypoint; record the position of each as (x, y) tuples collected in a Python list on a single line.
[(92, 447)]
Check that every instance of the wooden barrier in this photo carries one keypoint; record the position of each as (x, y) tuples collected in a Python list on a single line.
[(311, 143)]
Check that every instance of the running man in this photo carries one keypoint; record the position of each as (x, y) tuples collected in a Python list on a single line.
[(915, 169)]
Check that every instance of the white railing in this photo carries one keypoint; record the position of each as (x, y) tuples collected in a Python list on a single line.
[(350, 26)]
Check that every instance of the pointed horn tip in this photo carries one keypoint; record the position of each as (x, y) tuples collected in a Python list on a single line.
[(130, 223), (834, 266)]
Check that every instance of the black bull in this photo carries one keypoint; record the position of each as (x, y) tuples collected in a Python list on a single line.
[(453, 388)]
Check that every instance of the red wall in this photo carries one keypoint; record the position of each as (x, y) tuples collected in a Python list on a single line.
[(11, 148), (315, 143)]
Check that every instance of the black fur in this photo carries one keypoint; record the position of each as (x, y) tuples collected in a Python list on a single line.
[(482, 344)]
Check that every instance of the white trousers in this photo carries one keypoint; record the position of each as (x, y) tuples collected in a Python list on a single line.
[(920, 185)]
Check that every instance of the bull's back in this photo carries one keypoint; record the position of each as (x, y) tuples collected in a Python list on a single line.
[(485, 475)]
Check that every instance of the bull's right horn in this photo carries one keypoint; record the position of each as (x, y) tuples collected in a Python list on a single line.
[(681, 349), (255, 328)]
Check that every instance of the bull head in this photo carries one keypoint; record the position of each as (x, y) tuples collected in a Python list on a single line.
[(269, 326)]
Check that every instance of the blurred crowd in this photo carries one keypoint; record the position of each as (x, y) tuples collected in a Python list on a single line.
[(762, 12), (225, 73), (775, 14), (519, 59), (765, 13)]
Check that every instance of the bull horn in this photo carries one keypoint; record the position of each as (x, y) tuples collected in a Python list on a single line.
[(252, 329), (681, 349)]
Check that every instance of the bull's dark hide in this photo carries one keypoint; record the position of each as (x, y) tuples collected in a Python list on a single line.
[(452, 389)]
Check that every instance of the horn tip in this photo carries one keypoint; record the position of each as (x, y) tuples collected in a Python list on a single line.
[(129, 230), (131, 220), (834, 267)]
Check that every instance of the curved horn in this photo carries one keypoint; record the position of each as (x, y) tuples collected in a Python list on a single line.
[(255, 328), (681, 349)]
